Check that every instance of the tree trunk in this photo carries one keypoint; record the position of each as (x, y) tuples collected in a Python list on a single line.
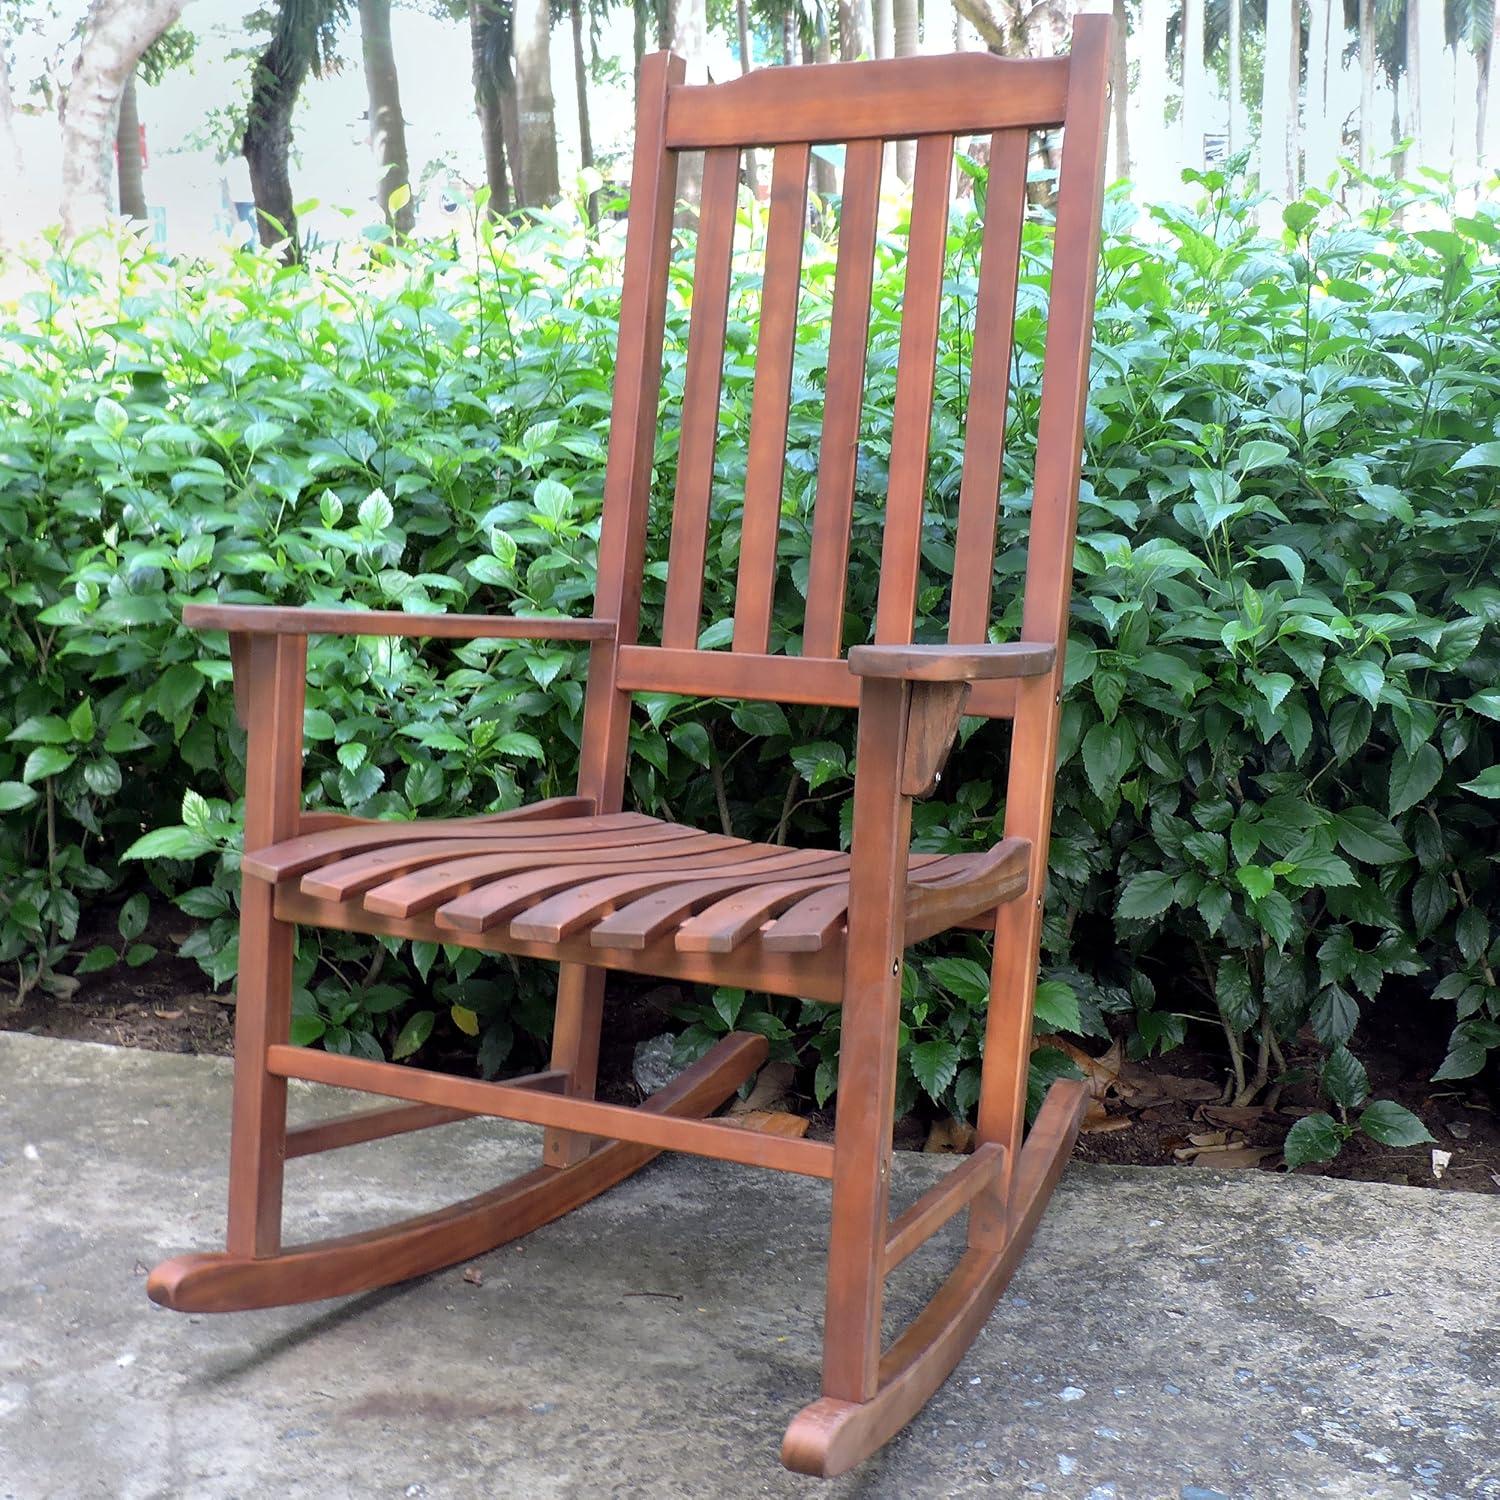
[(1416, 156), (907, 43), (1487, 113), (387, 123), (883, 28), (12, 166), (279, 75), (788, 39), (825, 177), (487, 107), (1279, 105), (115, 33), (856, 30), (132, 184), (1119, 90), (537, 179), (1236, 79), (581, 83), (689, 40), (641, 13), (1323, 135), (1367, 65), (742, 23), (1194, 84)]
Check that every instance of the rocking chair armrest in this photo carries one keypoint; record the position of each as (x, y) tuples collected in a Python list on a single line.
[(271, 619), (953, 663)]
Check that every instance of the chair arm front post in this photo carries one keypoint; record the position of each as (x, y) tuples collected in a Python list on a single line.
[(270, 681)]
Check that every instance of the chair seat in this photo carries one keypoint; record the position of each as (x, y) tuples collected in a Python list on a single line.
[(617, 881)]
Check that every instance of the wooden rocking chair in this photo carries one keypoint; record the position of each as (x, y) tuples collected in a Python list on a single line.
[(581, 882)]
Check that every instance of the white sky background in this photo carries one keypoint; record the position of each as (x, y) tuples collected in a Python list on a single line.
[(334, 164)]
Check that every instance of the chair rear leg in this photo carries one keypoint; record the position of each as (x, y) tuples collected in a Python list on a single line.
[(575, 1051)]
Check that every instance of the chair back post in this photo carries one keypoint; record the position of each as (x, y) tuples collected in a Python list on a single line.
[(1049, 573), (632, 430)]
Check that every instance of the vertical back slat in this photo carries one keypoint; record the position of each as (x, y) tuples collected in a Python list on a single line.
[(769, 409), (843, 397), (700, 397), (911, 423), (989, 377), (632, 430)]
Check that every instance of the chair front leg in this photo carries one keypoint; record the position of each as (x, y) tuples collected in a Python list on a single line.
[(867, 1047), (270, 673)]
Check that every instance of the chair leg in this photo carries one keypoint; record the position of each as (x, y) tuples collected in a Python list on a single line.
[(575, 1051), (257, 1142)]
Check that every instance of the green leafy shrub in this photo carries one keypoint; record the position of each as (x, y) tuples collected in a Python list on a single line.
[(1279, 737)]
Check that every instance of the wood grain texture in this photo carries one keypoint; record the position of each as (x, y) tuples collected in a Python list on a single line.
[(954, 663), (273, 619), (360, 1262), (970, 94)]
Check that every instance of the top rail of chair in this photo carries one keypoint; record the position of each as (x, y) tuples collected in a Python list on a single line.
[(968, 93)]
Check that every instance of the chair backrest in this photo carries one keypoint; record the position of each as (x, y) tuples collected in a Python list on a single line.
[(789, 110)]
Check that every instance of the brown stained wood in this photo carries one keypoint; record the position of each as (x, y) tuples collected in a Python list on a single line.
[(396, 1119), (273, 619), (843, 399), (276, 669), (615, 1121), (1049, 568), (989, 388), (867, 1049), (916, 371), (580, 883), (580, 906), (639, 923), (954, 663), (994, 879), (940, 1202), (932, 724), (770, 406), (396, 1252), (970, 94), (700, 398), (344, 878), (239, 667), (832, 1436), (305, 851), (720, 927), (736, 674), (811, 976)]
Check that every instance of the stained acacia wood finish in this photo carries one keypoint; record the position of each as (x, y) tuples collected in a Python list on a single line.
[(592, 886)]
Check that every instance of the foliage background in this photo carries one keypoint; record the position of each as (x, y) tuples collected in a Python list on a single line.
[(1276, 796)]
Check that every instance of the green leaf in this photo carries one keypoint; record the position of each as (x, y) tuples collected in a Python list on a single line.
[(133, 916), (99, 957), (176, 691), (416, 1031), (1486, 784), (1370, 838), (1146, 895), (1392, 1125), (1313, 1138), (819, 762), (692, 739), (1334, 1016), (1364, 677), (1344, 1078), (46, 760), (1234, 995), (963, 977), (169, 843), (1464, 1060), (1255, 880), (1480, 456), (1108, 752), (1057, 1007), (933, 1065), (760, 718), (15, 795), (1472, 931), (139, 954), (1413, 777), (306, 1030), (45, 729), (81, 722), (1486, 703)]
